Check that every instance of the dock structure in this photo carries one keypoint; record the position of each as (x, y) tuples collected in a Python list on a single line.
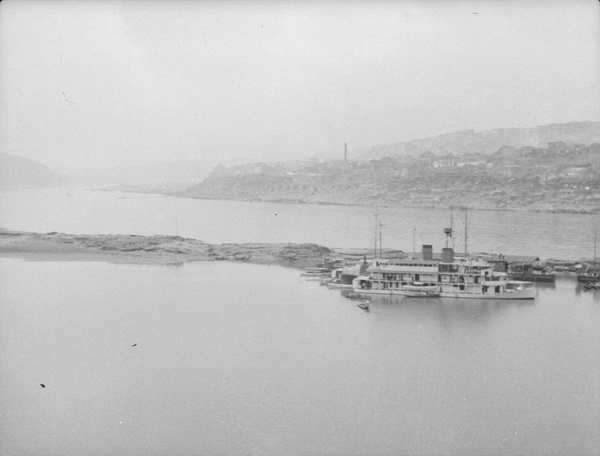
[(503, 263)]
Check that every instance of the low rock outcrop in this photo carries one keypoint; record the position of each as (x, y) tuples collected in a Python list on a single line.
[(153, 249)]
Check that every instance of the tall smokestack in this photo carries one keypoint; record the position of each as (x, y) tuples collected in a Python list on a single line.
[(427, 252), (447, 255)]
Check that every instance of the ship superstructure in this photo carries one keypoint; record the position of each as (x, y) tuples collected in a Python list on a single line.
[(453, 277)]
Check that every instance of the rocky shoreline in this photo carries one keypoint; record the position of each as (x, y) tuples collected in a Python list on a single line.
[(157, 249)]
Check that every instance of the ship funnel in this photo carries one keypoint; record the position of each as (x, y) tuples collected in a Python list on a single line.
[(427, 252), (447, 255)]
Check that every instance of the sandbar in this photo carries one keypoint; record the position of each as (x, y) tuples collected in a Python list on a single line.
[(157, 249)]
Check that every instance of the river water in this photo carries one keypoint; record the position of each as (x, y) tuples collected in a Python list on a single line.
[(227, 358), (81, 211)]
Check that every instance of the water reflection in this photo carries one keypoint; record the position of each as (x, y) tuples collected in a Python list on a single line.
[(333, 226), (580, 290), (475, 310), (546, 285), (236, 356)]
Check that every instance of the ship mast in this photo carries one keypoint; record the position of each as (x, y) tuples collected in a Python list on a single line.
[(448, 231), (375, 247), (452, 224), (380, 241), (595, 234), (466, 235)]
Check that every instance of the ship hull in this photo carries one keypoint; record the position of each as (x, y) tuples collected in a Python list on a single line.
[(546, 278), (588, 278), (510, 295), (419, 294), (339, 286)]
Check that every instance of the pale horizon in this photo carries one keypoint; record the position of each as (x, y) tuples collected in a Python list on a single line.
[(124, 83)]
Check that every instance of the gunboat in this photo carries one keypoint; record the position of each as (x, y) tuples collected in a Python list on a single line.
[(453, 278)]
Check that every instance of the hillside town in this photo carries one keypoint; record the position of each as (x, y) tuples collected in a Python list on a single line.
[(561, 177)]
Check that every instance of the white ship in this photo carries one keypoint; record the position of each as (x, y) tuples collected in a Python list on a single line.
[(451, 278)]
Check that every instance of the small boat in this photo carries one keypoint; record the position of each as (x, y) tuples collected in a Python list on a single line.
[(335, 285), (592, 272), (532, 273), (591, 285), (419, 290), (364, 304), (315, 273), (352, 295), (589, 276)]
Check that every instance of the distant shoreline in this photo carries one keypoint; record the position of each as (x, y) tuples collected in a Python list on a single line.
[(354, 204), (399, 206)]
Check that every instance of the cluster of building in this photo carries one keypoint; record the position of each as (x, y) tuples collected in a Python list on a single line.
[(560, 177)]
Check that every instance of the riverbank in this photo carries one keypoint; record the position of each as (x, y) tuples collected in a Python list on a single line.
[(359, 198), (474, 204)]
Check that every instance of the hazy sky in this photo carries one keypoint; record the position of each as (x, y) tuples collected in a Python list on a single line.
[(124, 82)]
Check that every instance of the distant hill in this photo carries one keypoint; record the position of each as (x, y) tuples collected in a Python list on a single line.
[(157, 176), (560, 177), (19, 172), (488, 141)]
